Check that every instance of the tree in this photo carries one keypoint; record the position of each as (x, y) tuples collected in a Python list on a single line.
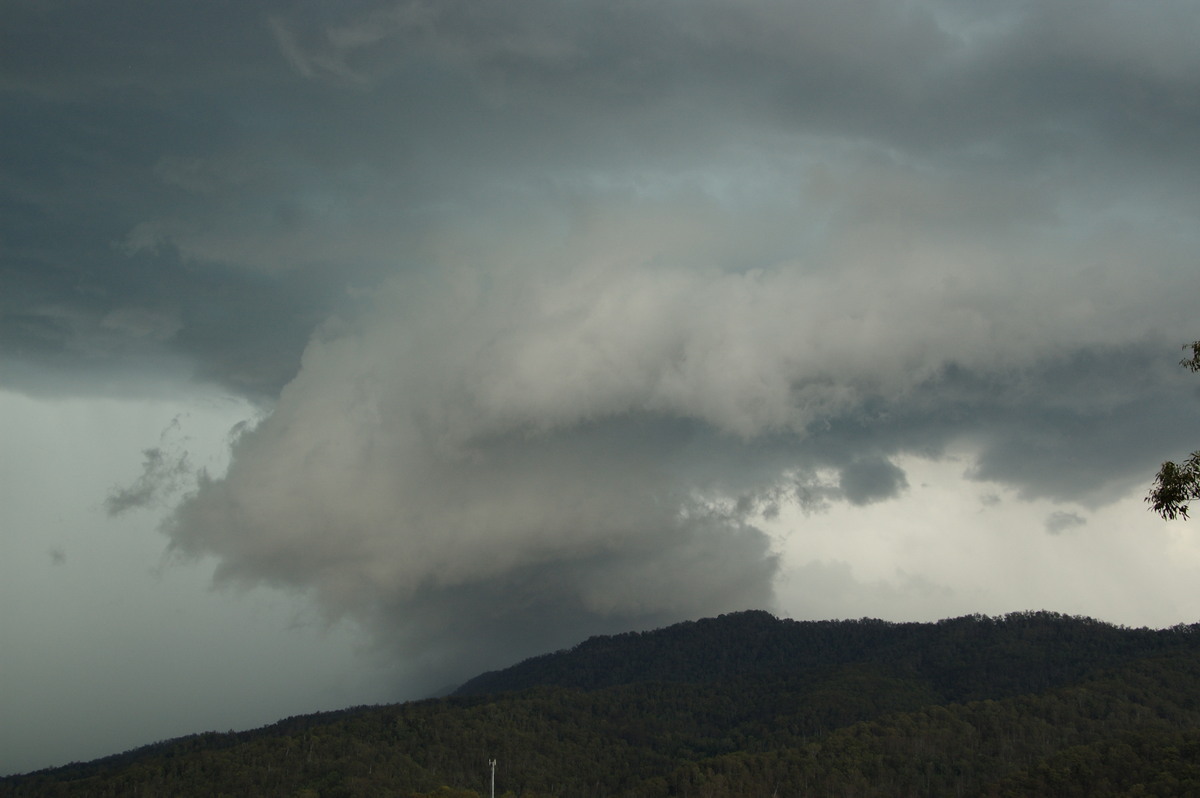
[(1178, 483)]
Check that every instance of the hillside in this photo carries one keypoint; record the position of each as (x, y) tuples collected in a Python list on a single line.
[(741, 705), (960, 658)]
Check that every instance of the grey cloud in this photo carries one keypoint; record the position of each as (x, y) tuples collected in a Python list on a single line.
[(813, 495), (1080, 428), (1062, 521), (825, 477), (870, 480), (528, 412), (543, 294), (453, 632), (161, 477), (166, 470), (462, 555), (72, 53), (288, 191)]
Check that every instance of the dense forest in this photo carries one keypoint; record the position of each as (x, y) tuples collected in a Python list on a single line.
[(740, 705)]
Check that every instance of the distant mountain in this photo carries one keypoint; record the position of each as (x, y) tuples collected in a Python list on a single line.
[(959, 659), (741, 705)]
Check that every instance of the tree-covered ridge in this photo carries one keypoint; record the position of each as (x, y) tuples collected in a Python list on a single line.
[(879, 722), (962, 657), (1130, 732)]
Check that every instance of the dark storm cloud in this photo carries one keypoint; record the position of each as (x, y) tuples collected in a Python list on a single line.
[(76, 51), (866, 481), (1090, 425), (551, 300), (169, 149), (79, 298), (109, 110)]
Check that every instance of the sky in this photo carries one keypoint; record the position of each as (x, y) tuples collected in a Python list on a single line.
[(348, 351)]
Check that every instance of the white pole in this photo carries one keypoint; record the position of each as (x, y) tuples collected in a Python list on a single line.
[(492, 762)]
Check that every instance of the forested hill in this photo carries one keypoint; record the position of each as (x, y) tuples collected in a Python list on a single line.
[(961, 658), (739, 706)]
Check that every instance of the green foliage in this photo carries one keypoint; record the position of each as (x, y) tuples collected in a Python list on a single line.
[(1177, 484), (1027, 704), (1192, 363)]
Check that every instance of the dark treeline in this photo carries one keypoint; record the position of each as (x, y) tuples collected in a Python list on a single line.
[(962, 658), (741, 705)]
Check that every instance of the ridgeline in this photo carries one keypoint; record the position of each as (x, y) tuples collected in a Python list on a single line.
[(740, 705)]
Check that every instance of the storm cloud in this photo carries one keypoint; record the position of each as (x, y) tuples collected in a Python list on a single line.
[(554, 433), (551, 308)]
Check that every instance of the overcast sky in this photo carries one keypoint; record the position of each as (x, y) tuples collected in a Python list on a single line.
[(349, 350)]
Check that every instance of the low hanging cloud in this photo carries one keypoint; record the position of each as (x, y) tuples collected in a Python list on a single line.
[(542, 437), (465, 482)]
